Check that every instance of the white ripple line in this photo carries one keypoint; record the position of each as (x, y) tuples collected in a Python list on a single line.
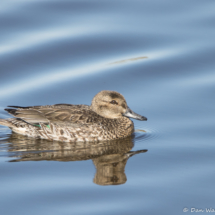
[(44, 80), (35, 39), (59, 75)]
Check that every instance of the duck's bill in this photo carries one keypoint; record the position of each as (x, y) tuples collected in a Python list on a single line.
[(131, 114)]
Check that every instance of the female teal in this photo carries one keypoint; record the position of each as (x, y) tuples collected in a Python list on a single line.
[(107, 118)]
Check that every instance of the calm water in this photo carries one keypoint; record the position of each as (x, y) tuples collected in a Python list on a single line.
[(160, 56)]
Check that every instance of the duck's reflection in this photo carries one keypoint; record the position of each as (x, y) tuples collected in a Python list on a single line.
[(108, 157)]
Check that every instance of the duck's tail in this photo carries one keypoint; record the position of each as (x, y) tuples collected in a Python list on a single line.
[(5, 122)]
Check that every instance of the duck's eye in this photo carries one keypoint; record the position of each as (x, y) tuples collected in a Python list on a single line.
[(114, 102)]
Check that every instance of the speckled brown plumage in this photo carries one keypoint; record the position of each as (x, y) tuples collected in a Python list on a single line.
[(103, 120)]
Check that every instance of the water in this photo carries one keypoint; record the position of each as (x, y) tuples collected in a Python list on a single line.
[(160, 56)]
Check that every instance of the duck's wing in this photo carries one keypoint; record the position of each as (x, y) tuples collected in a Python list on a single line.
[(56, 106), (71, 117), (30, 116), (61, 114)]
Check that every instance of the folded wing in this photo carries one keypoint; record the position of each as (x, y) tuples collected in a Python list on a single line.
[(61, 114)]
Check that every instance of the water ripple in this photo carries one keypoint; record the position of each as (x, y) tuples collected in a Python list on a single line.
[(145, 134), (45, 78), (38, 38)]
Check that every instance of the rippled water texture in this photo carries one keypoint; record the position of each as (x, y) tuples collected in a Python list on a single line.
[(160, 56)]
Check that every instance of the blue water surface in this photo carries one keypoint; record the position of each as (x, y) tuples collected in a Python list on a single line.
[(160, 56)]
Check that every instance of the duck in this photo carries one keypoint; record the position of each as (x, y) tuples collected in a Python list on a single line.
[(107, 118)]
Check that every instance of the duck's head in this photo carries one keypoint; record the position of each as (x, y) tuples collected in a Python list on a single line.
[(111, 104)]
